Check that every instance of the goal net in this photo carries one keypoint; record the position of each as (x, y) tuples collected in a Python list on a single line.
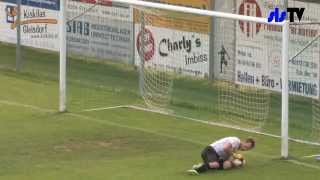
[(178, 75), (304, 79), (211, 67), (240, 84)]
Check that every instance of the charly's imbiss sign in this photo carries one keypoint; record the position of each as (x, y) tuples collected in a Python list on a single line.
[(175, 41)]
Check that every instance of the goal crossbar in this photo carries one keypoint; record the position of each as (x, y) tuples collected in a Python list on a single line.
[(198, 11)]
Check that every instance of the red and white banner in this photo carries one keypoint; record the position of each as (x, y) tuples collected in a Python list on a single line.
[(179, 51)]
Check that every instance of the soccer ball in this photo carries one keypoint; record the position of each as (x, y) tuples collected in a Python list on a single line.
[(238, 160)]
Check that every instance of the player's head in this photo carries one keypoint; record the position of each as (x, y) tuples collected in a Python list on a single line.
[(247, 144)]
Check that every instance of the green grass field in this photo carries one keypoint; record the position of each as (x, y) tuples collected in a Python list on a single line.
[(40, 143)]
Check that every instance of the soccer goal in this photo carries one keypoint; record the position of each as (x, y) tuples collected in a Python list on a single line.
[(230, 70)]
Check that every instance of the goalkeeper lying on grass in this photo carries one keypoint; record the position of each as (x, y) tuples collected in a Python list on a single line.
[(222, 155)]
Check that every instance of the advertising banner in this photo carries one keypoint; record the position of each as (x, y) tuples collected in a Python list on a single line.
[(258, 50), (176, 41), (39, 21), (105, 31)]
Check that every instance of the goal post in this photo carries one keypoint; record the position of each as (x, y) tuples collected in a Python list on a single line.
[(155, 80), (63, 58), (285, 91)]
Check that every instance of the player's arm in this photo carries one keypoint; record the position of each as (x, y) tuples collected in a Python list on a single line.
[(228, 148)]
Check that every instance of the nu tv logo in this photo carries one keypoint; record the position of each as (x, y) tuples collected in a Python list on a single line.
[(281, 16)]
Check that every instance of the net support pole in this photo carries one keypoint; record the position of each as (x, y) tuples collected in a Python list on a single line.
[(63, 57), (142, 53), (211, 43), (285, 92), (18, 50)]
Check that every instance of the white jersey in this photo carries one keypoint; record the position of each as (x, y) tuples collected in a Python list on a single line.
[(218, 146)]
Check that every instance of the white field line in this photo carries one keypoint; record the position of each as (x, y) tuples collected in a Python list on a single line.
[(144, 130), (303, 164), (222, 125), (105, 108), (188, 140), (27, 106), (200, 121), (311, 156), (179, 138), (178, 116), (163, 113), (100, 121), (203, 121)]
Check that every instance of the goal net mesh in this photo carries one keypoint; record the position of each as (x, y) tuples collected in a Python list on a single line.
[(174, 70), (304, 50)]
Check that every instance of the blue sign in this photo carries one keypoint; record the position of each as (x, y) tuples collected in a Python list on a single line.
[(46, 4)]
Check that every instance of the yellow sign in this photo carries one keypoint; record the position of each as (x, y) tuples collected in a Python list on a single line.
[(200, 4), (178, 20)]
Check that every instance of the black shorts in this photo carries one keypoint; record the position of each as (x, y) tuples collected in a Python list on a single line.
[(210, 155)]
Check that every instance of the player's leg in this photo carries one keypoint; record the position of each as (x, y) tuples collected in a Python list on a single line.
[(210, 161), (219, 165)]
